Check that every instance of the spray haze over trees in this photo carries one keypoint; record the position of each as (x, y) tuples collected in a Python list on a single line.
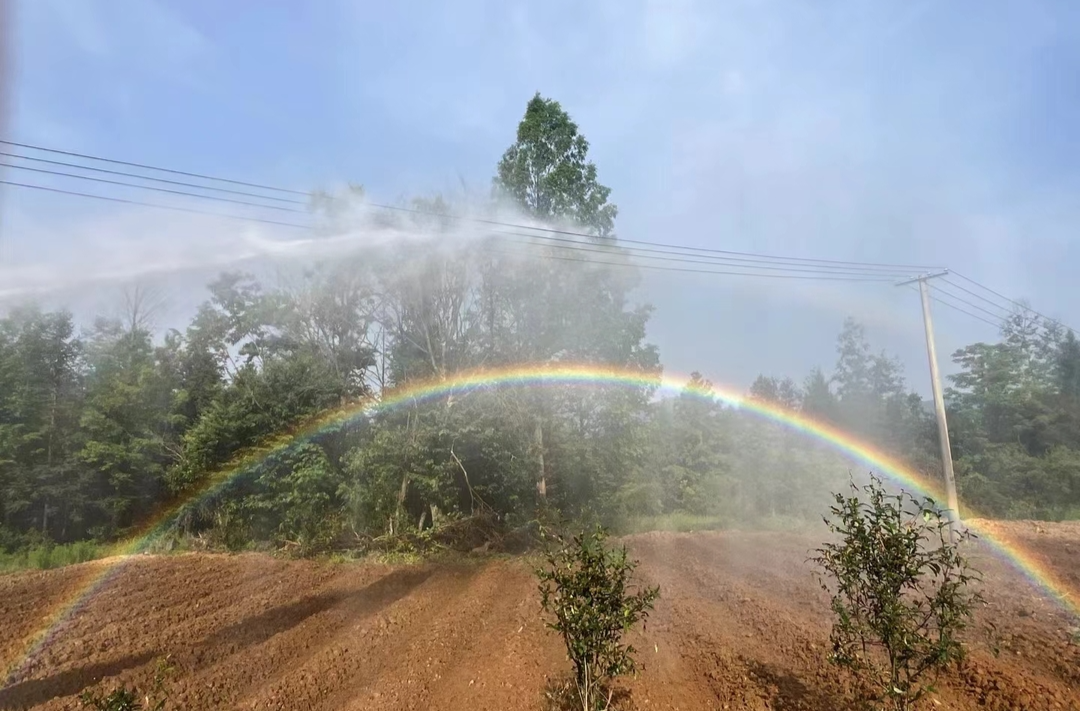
[(103, 425)]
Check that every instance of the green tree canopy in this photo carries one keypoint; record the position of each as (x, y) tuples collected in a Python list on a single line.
[(547, 172)]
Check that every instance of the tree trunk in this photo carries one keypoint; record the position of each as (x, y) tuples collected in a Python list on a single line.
[(541, 472), (401, 499)]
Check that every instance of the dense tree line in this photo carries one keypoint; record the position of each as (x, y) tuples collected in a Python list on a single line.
[(100, 427), (1012, 408)]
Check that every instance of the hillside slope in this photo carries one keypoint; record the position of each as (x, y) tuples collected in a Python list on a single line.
[(741, 624)]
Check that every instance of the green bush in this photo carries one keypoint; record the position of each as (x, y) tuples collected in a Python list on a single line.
[(585, 588), (900, 592)]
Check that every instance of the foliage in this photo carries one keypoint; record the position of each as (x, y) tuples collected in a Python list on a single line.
[(585, 588), (1015, 416), (121, 699), (901, 590), (47, 555), (547, 171)]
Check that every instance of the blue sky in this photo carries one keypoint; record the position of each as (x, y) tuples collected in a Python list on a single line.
[(938, 131)]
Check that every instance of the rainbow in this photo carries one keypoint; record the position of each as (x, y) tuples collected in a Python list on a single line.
[(99, 574)]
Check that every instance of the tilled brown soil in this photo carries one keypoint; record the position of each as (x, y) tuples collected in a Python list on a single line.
[(741, 624)]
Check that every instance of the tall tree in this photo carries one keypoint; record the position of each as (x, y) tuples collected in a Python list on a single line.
[(125, 422), (548, 174), (43, 361), (567, 310)]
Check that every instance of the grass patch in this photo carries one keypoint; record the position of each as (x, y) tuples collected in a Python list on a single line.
[(46, 557)]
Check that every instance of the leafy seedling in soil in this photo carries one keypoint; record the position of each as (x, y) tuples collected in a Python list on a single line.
[(585, 588), (901, 592), (125, 699)]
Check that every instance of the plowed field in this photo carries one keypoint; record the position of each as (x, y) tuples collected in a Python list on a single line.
[(741, 624)]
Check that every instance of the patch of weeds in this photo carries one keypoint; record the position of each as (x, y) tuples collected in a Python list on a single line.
[(46, 556), (398, 557), (342, 558)]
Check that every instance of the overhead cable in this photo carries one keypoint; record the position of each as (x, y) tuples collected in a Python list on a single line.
[(153, 188), (1014, 302), (479, 220), (941, 301), (166, 181), (150, 204), (590, 246)]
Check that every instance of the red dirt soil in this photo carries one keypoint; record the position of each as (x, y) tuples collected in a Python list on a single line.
[(741, 624)]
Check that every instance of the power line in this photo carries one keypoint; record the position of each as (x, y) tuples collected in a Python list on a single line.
[(966, 302), (150, 204), (616, 246), (725, 261), (964, 289), (621, 240), (151, 167), (677, 253), (591, 246), (497, 223), (1018, 304), (825, 276), (165, 181), (955, 308), (987, 321), (152, 188), (819, 276)]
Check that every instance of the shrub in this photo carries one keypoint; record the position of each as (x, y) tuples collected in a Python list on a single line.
[(585, 588), (900, 591)]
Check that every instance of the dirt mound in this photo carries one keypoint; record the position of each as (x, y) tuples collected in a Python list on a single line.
[(741, 624)]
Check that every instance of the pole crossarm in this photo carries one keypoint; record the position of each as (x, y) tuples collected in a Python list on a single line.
[(923, 277)]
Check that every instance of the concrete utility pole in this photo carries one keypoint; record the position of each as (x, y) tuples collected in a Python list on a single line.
[(939, 401)]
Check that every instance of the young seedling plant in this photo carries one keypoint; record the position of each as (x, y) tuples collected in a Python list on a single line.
[(125, 699), (585, 588), (901, 591)]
